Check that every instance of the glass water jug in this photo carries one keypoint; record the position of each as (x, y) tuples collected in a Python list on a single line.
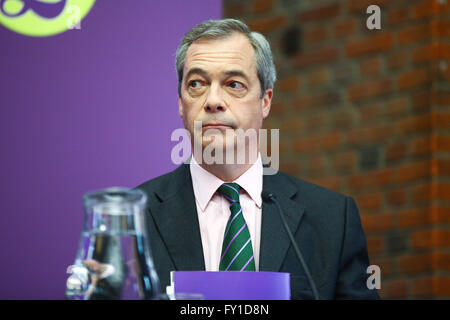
[(113, 260)]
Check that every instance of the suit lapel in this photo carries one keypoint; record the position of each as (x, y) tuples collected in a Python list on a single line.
[(177, 221), (274, 239)]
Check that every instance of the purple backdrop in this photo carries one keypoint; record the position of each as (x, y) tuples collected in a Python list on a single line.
[(82, 110)]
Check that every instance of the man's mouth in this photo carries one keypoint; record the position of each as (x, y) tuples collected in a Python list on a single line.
[(217, 125)]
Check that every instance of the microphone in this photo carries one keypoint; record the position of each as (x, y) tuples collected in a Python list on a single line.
[(267, 196)]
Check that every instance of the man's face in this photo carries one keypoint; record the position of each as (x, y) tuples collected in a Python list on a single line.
[(220, 87)]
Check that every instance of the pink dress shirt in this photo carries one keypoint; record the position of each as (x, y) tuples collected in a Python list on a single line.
[(214, 210)]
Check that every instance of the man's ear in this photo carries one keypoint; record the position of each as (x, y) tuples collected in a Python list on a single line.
[(180, 106), (266, 102)]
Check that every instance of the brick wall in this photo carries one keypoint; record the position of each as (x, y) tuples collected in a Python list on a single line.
[(367, 113)]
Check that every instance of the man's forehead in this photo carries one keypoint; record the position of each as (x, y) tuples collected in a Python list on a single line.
[(234, 37), (235, 49), (234, 46)]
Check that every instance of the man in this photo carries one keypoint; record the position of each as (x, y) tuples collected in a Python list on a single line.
[(211, 216)]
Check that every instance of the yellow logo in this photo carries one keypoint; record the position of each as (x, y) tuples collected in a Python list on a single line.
[(41, 18)]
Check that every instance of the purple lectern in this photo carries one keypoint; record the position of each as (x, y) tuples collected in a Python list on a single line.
[(233, 285)]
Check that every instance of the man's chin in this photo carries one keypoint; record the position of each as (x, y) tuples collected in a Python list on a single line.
[(217, 145), (212, 153)]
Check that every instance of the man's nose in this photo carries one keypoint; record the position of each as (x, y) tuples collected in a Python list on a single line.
[(214, 101)]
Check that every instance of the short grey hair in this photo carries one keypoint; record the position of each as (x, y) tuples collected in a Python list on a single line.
[(217, 29)]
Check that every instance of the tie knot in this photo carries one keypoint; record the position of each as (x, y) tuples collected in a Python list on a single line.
[(230, 191)]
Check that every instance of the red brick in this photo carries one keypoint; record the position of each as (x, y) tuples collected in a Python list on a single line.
[(443, 191), (315, 34), (396, 289), (288, 84), (397, 16), (369, 89), (290, 167), (426, 53), (424, 193), (413, 33), (370, 112), (376, 222), (422, 101), (440, 143), (267, 24), (271, 123), (318, 77), (326, 12), (237, 9), (262, 5), (378, 178), (414, 217), (376, 43), (316, 122), (420, 146), (319, 56), (316, 163), (369, 134), (421, 239), (440, 98), (396, 197), (396, 151), (344, 161), (370, 201), (414, 263), (360, 6), (444, 51), (441, 261), (440, 214), (413, 79), (316, 100), (440, 28), (344, 28), (441, 286), (285, 146), (413, 124), (293, 125), (328, 141), (431, 239), (432, 286), (440, 120), (343, 120), (277, 107), (397, 59), (370, 66), (425, 9), (415, 171), (423, 286), (398, 105), (374, 244), (440, 168)]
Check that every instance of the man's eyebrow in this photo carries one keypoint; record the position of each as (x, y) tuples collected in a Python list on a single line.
[(196, 70), (237, 73), (228, 73)]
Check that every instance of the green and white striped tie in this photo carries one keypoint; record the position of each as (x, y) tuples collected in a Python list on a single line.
[(237, 250)]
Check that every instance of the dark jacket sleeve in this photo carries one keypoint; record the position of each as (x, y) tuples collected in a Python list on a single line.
[(354, 259)]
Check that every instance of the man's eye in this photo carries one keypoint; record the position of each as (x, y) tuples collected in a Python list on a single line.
[(236, 85), (195, 84)]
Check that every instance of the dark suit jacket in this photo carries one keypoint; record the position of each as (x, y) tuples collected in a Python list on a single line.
[(325, 224)]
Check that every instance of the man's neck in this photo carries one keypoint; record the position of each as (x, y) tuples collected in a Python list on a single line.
[(226, 172), (229, 172)]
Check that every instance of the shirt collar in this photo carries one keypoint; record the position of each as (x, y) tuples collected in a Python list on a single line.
[(205, 184)]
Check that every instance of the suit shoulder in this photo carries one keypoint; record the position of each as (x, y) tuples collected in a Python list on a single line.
[(167, 181)]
